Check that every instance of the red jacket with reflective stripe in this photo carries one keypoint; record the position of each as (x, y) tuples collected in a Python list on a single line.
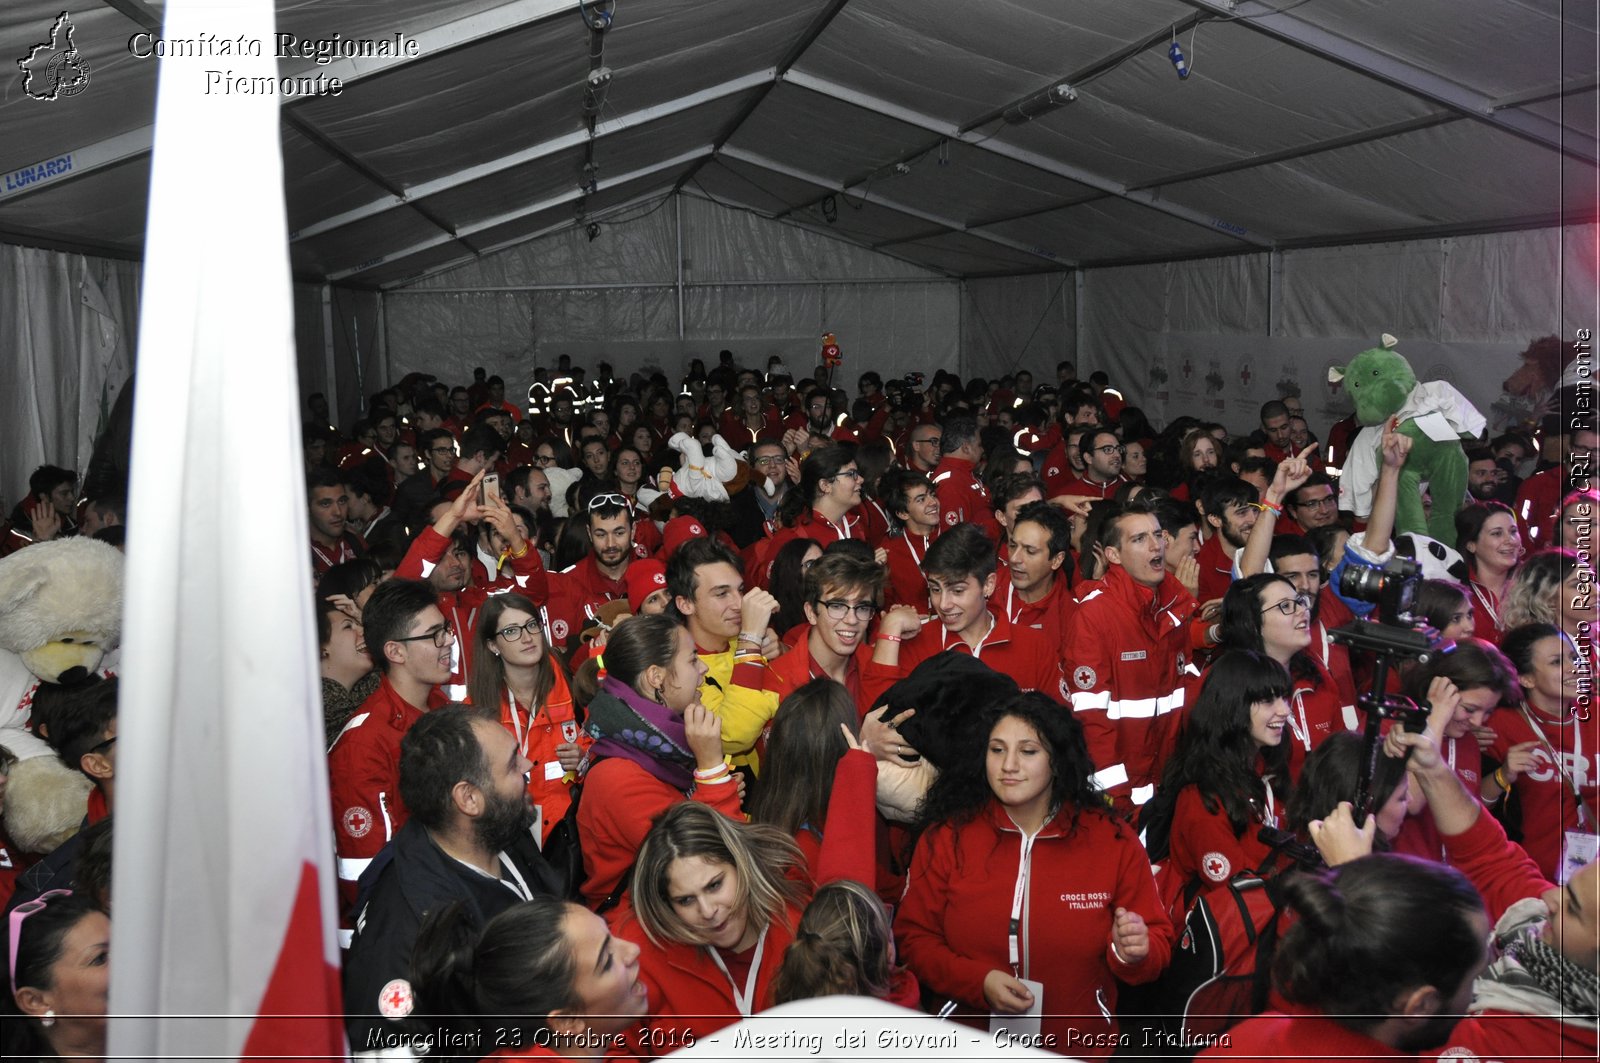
[(1127, 648)]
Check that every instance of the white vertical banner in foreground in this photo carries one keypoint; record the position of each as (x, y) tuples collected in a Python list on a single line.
[(223, 881)]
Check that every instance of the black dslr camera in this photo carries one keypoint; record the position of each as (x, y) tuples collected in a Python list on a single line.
[(1397, 635)]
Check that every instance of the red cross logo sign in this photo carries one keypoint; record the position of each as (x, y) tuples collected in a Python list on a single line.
[(357, 822), (395, 1000), (1215, 867)]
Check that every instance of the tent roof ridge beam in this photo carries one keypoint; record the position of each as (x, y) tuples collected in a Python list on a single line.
[(546, 148), (880, 200), (456, 263), (137, 12), (1548, 92), (807, 38), (1402, 75), (570, 196), (1027, 158), (1366, 136), (430, 42), (1082, 74)]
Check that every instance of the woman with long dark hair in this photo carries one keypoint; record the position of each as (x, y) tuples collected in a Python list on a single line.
[(819, 506), (1331, 777), (1228, 776), (1265, 614), (655, 746), (58, 957), (1022, 872), (1487, 536), (514, 672), (544, 979), (787, 580), (1465, 687)]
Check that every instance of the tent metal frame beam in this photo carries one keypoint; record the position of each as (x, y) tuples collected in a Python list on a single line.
[(571, 196), (761, 162), (136, 12), (1024, 156), (431, 42), (400, 285), (818, 26), (1402, 75), (553, 146), (1103, 65)]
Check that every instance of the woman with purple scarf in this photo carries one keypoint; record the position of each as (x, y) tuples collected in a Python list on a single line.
[(655, 745)]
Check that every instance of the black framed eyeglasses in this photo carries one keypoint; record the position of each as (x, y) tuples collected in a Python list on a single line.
[(1289, 605), (1317, 503), (441, 636), (1112, 448), (516, 632), (836, 609)]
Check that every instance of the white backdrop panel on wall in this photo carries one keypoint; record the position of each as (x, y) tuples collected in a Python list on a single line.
[(1227, 378)]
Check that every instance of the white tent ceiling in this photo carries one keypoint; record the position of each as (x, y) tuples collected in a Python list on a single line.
[(1304, 122)]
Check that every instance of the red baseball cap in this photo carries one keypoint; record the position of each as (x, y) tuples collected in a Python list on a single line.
[(644, 578), (678, 531)]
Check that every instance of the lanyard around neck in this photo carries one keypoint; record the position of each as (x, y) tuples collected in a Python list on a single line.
[(743, 1001)]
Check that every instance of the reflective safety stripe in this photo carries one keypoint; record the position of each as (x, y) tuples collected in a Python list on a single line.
[(345, 937), (1144, 708), (1106, 778), (1090, 702), (350, 869), (352, 723), (1141, 794)]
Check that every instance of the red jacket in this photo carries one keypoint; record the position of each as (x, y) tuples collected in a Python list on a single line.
[(1204, 847), (1022, 653), (1548, 807), (1276, 1037), (1538, 506), (1486, 623), (792, 670), (1504, 875), (1127, 649), (1049, 615), (1216, 568), (1316, 711), (364, 781), (1419, 836), (348, 548), (952, 925), (621, 800), (575, 592), (962, 496), (809, 525), (906, 585), (690, 996)]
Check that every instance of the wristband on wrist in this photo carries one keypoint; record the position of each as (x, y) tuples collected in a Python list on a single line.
[(1501, 780), (517, 555), (745, 636), (890, 638), (711, 773), (1266, 506)]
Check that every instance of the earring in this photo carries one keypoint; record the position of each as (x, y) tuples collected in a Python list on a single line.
[(48, 1018)]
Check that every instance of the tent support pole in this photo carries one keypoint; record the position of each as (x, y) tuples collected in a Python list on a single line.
[(677, 211)]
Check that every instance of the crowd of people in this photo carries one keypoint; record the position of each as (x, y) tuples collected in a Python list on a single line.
[(622, 750)]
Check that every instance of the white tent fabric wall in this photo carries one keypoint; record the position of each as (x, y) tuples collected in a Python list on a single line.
[(1192, 337), (751, 284), (67, 325), (1011, 323)]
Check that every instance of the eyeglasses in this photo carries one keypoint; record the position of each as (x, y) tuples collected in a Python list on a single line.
[(1111, 448), (854, 474), (1289, 606), (544, 459), (441, 450), (609, 499), (441, 636), (1317, 503), (517, 632), (19, 915), (101, 747), (836, 609), (770, 459)]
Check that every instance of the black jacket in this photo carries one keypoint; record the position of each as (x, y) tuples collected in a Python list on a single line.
[(411, 877)]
